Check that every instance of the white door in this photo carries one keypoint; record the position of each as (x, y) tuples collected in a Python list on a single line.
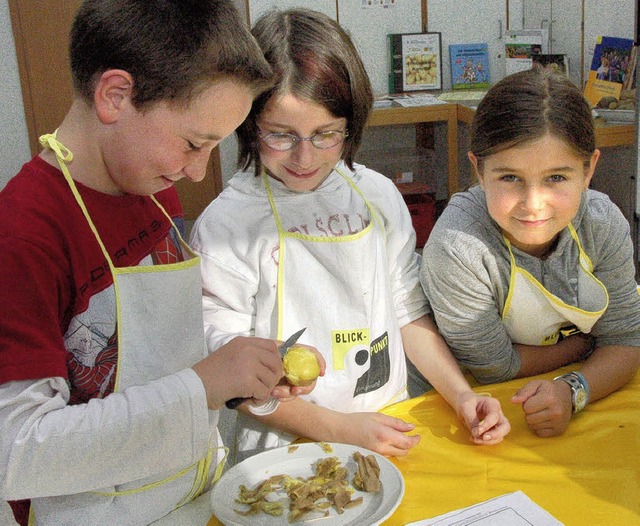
[(369, 25), (465, 22), (565, 20), (562, 19)]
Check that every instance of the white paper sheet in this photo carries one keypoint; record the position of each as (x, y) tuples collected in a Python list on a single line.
[(418, 100), (512, 509), (462, 95)]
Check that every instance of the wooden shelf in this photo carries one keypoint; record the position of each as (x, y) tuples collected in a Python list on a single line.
[(607, 135), (615, 135), (446, 113)]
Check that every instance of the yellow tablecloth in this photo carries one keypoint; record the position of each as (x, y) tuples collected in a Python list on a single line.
[(588, 476)]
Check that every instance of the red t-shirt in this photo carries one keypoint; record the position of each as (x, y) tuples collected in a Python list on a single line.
[(51, 267)]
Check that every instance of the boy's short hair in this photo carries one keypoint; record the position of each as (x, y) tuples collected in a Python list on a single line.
[(314, 59), (172, 48)]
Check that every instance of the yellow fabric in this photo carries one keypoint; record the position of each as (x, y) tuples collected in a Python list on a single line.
[(590, 475)]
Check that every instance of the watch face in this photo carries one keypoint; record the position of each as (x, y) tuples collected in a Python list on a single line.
[(580, 399), (579, 395)]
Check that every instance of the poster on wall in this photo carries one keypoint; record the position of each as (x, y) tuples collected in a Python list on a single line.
[(415, 62), (370, 4)]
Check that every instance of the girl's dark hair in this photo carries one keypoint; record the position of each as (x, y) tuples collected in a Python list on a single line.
[(314, 59), (527, 106), (173, 49)]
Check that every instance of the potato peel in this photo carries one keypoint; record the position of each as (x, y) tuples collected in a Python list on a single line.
[(367, 477), (327, 488)]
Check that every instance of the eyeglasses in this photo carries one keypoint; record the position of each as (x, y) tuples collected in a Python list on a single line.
[(287, 141)]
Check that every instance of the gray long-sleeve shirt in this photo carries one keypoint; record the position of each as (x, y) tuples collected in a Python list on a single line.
[(466, 267)]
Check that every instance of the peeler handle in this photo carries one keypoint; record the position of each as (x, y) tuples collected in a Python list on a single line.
[(234, 402)]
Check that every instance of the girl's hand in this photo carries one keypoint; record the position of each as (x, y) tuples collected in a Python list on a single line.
[(381, 433), (286, 392), (484, 418), (546, 405)]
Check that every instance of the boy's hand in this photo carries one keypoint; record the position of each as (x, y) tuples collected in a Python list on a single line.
[(484, 418), (378, 432), (246, 367)]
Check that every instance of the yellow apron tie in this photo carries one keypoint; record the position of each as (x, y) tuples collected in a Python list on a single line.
[(49, 140)]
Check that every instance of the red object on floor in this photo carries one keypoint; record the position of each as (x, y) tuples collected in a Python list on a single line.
[(421, 202)]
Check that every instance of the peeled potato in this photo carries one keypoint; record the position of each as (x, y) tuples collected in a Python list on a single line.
[(301, 366)]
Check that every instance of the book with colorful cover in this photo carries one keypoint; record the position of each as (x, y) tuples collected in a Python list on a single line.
[(415, 62), (611, 67), (469, 66)]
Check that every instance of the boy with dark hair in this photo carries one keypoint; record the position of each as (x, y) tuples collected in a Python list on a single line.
[(107, 394)]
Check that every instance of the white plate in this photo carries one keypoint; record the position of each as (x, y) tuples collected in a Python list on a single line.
[(617, 115), (375, 507)]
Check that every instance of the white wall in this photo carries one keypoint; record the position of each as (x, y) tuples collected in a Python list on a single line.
[(14, 139), (6, 515)]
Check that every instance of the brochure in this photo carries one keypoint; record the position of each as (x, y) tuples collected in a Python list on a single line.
[(415, 62), (469, 66), (557, 62), (611, 67), (521, 45)]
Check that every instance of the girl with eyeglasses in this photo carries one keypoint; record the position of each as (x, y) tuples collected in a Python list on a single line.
[(305, 237)]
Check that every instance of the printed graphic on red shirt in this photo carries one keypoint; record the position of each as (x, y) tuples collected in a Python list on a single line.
[(92, 339), (167, 251)]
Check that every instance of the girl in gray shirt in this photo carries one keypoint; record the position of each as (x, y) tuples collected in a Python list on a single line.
[(530, 270)]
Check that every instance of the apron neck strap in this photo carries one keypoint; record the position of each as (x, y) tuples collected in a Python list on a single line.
[(585, 261), (276, 215), (51, 142), (63, 156), (267, 184)]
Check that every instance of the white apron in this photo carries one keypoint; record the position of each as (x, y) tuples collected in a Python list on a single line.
[(159, 311), (534, 316), (338, 288)]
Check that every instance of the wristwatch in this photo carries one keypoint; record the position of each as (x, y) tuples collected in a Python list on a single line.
[(579, 390)]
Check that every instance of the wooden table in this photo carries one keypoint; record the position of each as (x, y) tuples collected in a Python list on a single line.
[(452, 113)]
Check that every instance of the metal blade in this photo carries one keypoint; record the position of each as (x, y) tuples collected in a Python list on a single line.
[(290, 341)]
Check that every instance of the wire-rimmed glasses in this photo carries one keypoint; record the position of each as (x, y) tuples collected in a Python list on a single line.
[(283, 142)]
